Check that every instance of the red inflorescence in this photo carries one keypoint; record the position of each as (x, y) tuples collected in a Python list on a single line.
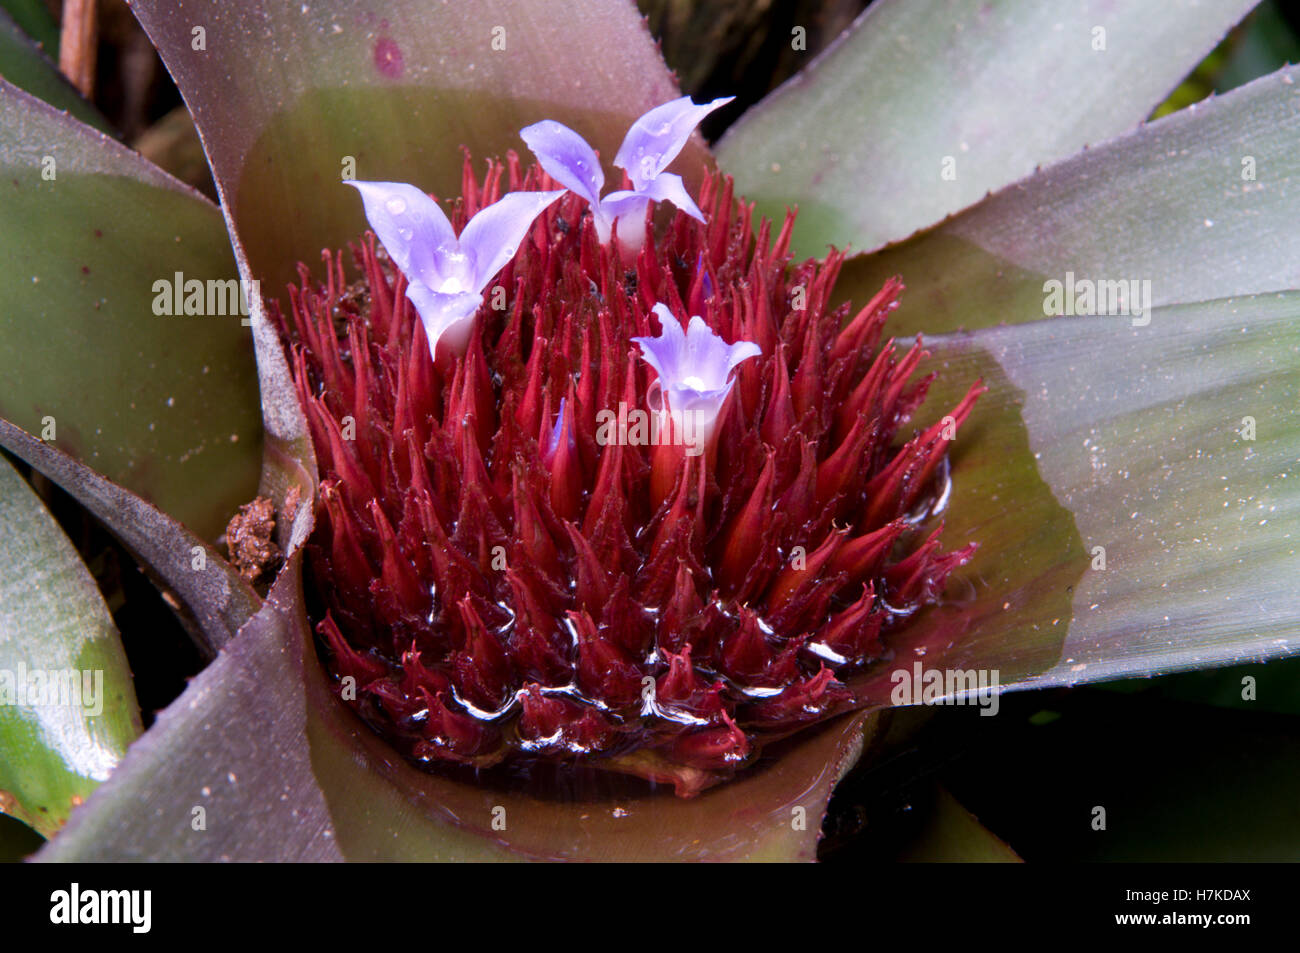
[(501, 584)]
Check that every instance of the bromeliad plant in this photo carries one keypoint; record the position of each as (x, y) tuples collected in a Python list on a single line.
[(503, 576)]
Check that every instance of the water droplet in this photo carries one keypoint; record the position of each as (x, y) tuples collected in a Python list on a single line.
[(453, 259), (406, 234), (395, 205)]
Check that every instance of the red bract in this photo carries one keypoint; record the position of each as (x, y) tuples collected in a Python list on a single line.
[(502, 584)]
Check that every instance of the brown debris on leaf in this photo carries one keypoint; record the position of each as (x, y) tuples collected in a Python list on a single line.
[(248, 538), (291, 501)]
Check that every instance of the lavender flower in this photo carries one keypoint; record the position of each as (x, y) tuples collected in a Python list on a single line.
[(651, 143), (445, 275), (694, 368)]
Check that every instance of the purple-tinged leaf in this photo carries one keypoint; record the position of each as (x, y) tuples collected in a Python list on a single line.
[(234, 745), (1179, 454), (1201, 204), (1135, 492), (925, 106), (94, 358), (215, 598)]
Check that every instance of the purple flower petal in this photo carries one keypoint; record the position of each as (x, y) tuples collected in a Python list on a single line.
[(558, 432), (493, 235), (651, 143), (657, 137), (707, 360), (409, 223), (663, 353), (444, 316), (624, 204), (736, 353), (704, 274), (566, 157), (445, 276), (707, 403), (667, 187)]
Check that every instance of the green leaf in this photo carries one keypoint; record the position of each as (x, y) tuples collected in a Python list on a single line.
[(927, 105), (67, 707), (33, 17), (214, 598), (953, 834), (1144, 436), (284, 771), (323, 90), (1202, 204), (1095, 433), (27, 67), (166, 406)]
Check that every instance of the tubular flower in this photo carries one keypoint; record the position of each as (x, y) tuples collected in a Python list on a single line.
[(651, 143), (504, 581), (694, 369), (445, 275)]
